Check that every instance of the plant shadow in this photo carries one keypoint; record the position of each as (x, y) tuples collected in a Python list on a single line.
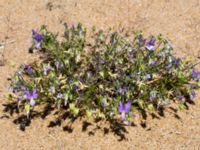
[(114, 126)]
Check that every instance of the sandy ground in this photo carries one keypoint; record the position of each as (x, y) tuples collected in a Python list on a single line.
[(179, 20)]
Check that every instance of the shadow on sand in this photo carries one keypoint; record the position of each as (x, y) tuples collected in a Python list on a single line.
[(116, 128)]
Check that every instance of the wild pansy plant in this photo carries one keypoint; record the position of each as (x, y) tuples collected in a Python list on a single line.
[(107, 76)]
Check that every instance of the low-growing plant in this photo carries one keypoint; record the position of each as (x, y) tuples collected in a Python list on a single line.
[(108, 76)]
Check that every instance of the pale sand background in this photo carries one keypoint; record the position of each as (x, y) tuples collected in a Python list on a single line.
[(179, 20)]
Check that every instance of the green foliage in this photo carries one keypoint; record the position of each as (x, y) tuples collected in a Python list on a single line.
[(96, 77)]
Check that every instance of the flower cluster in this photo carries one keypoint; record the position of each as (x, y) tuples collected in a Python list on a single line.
[(109, 76)]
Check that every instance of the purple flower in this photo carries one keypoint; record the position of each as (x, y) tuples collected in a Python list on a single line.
[(59, 96), (192, 95), (124, 109), (70, 81), (28, 69), (153, 62), (122, 90), (104, 103), (152, 95), (37, 38), (101, 62), (19, 99), (31, 96), (194, 74), (180, 97), (176, 61), (46, 69), (141, 40), (148, 76), (168, 66), (75, 88), (161, 55), (23, 88), (32, 102), (151, 44), (78, 100)]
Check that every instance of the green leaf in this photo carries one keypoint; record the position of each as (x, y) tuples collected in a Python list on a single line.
[(182, 106), (88, 113), (78, 58), (27, 107), (102, 74), (150, 107), (66, 96), (112, 74), (198, 83), (140, 103), (101, 86), (76, 111), (71, 106)]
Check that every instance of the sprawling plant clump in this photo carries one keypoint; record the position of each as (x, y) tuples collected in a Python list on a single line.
[(109, 76)]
